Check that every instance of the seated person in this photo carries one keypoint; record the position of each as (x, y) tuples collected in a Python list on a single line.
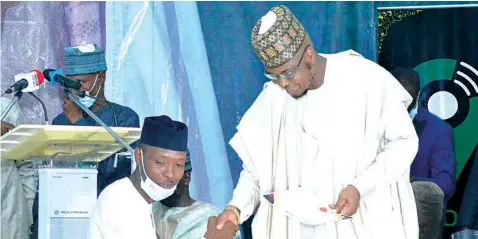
[(124, 208), (15, 215), (468, 217), (87, 65), (433, 170), (181, 217)]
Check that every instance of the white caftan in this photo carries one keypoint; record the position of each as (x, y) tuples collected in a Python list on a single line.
[(122, 213), (353, 130)]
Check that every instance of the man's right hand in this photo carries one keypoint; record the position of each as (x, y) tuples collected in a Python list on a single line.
[(72, 111), (227, 231), (227, 216)]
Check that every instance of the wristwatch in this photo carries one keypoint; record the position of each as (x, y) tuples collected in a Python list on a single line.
[(236, 212)]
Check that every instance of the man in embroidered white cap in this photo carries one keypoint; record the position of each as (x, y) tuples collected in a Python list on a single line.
[(15, 188), (335, 126)]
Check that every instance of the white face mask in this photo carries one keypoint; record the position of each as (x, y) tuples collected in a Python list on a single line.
[(88, 101), (153, 190)]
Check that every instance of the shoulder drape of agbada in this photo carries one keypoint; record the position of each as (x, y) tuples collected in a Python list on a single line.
[(365, 134)]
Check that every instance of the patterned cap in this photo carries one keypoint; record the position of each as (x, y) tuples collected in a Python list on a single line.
[(282, 41), (83, 60)]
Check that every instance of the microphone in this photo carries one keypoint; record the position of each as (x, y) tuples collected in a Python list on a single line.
[(26, 82), (56, 76)]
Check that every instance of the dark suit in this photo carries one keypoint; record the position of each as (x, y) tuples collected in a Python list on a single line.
[(432, 172), (435, 159)]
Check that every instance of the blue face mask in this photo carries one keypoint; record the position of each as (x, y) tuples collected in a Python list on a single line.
[(413, 112), (88, 101)]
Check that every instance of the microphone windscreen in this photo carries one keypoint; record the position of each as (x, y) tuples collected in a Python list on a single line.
[(46, 74), (40, 77)]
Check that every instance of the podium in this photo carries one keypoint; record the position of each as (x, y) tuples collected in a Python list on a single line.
[(66, 158)]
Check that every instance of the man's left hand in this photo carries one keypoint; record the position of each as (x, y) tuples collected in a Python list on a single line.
[(348, 201), (6, 126)]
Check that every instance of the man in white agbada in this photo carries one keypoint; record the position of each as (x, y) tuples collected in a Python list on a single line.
[(336, 125), (181, 217), (124, 208), (17, 185)]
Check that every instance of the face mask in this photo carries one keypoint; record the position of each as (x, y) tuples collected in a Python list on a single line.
[(153, 190), (88, 101), (413, 112)]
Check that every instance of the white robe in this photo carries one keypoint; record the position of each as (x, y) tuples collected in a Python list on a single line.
[(17, 188), (354, 130), (122, 213)]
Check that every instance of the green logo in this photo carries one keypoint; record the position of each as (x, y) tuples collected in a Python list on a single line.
[(449, 91)]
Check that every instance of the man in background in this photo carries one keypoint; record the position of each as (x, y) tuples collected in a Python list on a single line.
[(433, 170), (87, 65), (181, 217), (17, 185)]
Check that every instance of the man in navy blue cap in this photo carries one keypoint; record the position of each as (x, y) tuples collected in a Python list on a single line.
[(87, 65), (124, 208)]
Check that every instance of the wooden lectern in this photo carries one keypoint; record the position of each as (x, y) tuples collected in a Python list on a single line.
[(66, 158)]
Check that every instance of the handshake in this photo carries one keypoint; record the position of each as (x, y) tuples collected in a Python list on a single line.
[(224, 227)]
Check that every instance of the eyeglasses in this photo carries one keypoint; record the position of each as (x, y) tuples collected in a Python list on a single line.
[(286, 75)]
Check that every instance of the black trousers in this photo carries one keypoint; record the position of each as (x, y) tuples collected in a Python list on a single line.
[(430, 208)]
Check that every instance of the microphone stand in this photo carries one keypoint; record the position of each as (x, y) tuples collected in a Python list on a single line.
[(110, 131), (17, 97)]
